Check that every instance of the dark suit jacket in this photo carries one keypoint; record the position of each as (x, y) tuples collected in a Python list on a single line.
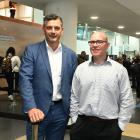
[(35, 79)]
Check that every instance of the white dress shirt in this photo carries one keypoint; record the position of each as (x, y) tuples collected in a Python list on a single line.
[(15, 63), (55, 59), (102, 90)]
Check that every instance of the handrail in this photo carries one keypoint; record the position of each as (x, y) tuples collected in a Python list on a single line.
[(35, 131)]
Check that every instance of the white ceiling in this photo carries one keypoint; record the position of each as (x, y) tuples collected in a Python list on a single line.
[(111, 13)]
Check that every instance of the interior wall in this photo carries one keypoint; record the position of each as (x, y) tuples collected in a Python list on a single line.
[(134, 44), (19, 45), (119, 44)]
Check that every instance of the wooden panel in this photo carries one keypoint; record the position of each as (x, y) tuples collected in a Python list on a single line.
[(132, 130)]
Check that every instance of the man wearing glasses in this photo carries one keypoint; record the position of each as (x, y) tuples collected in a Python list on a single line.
[(101, 100)]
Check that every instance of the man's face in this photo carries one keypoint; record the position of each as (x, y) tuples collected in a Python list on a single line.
[(53, 31), (98, 45)]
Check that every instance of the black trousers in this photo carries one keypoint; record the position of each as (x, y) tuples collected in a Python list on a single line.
[(10, 82), (87, 129), (138, 87), (12, 13), (16, 81)]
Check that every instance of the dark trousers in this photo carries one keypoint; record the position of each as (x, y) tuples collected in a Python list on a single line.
[(16, 83), (53, 126), (12, 13), (133, 81), (87, 129), (138, 87), (10, 82)]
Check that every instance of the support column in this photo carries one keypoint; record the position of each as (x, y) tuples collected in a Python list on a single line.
[(68, 11)]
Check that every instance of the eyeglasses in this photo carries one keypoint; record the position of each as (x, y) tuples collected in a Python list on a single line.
[(97, 42)]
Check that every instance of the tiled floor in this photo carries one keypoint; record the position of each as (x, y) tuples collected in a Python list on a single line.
[(12, 129)]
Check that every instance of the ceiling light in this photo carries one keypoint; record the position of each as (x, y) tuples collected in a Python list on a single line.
[(94, 17), (120, 27), (137, 33)]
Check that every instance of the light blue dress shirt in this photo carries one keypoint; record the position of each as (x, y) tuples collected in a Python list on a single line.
[(102, 90)]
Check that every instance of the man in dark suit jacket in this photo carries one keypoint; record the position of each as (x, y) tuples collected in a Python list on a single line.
[(46, 73)]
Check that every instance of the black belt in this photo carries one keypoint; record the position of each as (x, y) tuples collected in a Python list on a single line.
[(96, 119), (56, 102)]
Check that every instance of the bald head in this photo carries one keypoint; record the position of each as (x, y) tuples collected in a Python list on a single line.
[(99, 34)]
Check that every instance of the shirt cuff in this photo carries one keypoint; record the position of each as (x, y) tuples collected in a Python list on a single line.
[(122, 125), (73, 119)]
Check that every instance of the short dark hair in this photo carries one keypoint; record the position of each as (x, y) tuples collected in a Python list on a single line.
[(52, 17)]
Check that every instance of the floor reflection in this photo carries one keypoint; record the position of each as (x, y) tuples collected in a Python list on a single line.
[(12, 128)]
